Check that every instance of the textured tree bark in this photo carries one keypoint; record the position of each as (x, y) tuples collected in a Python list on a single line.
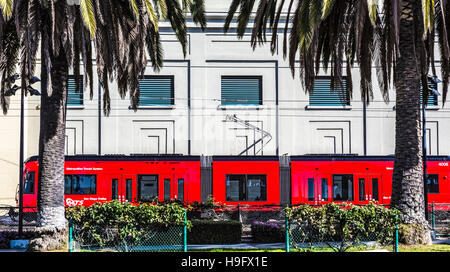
[(407, 184), (52, 225)]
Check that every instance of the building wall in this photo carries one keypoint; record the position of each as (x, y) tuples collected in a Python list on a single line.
[(198, 124)]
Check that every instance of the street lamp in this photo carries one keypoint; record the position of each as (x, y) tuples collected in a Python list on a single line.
[(12, 92), (432, 90)]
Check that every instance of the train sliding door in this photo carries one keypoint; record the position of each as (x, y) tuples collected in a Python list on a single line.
[(121, 187), (368, 188), (174, 187), (315, 188)]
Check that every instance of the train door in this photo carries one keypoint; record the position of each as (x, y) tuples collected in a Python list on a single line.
[(173, 187), (368, 188), (121, 187), (316, 188)]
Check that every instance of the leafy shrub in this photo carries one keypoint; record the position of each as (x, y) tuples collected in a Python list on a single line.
[(215, 232), (343, 225), (124, 221), (268, 232)]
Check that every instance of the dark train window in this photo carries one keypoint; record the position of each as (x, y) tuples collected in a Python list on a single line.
[(343, 187), (375, 196), (246, 187), (181, 189), (324, 189), (29, 183), (362, 189), (80, 184), (166, 189), (129, 190), (310, 189), (147, 188), (114, 189), (433, 183)]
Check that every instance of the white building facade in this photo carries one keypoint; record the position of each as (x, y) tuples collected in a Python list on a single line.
[(223, 98)]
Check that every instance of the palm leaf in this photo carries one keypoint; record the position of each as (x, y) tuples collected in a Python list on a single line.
[(87, 13)]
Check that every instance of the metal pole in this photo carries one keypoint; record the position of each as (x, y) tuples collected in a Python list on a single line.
[(287, 233), (185, 232), (21, 163), (365, 125), (70, 236), (396, 238), (424, 159)]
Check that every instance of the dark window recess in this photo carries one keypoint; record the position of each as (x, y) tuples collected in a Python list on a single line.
[(433, 183), (343, 187), (147, 188), (166, 189), (246, 187), (375, 195), (324, 189), (129, 190), (75, 97), (325, 94), (29, 183), (80, 184), (241, 90), (156, 91), (362, 189), (114, 189), (311, 189), (181, 189)]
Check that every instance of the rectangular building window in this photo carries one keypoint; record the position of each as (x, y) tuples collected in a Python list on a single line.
[(432, 98), (246, 187), (75, 97), (343, 187), (241, 90), (80, 184), (433, 183), (324, 94), (157, 91)]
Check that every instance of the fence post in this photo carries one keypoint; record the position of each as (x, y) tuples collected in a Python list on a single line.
[(396, 238), (185, 232), (70, 236), (287, 232)]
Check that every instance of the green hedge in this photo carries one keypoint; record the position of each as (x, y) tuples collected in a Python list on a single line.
[(268, 232), (214, 232)]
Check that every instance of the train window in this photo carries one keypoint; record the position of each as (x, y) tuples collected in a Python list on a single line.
[(114, 189), (147, 188), (181, 189), (324, 189), (343, 187), (362, 189), (256, 188), (129, 190), (29, 182), (166, 189), (310, 189), (375, 196), (246, 188), (80, 184), (433, 183)]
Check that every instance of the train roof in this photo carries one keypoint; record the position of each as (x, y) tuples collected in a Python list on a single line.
[(180, 157)]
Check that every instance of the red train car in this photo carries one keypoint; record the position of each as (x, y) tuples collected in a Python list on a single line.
[(358, 180), (232, 180), (89, 179)]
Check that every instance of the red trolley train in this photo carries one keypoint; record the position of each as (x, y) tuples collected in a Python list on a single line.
[(258, 180)]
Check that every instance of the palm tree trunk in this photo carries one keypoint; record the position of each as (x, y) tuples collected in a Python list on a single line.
[(407, 184), (52, 226)]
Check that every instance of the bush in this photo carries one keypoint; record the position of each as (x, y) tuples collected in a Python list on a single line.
[(268, 232), (343, 225), (215, 232), (124, 221)]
